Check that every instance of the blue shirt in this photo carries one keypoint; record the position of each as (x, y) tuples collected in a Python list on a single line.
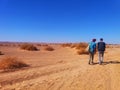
[(92, 46)]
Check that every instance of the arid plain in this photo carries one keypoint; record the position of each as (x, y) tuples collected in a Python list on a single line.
[(60, 69)]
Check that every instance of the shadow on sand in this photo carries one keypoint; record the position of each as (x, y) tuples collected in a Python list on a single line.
[(109, 62)]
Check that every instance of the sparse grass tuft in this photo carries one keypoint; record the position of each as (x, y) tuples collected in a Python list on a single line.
[(44, 45), (1, 53), (39, 45), (49, 48), (81, 45), (82, 51), (73, 45), (29, 47), (66, 45), (11, 63), (81, 48)]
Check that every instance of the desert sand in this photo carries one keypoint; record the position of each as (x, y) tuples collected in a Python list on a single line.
[(61, 69)]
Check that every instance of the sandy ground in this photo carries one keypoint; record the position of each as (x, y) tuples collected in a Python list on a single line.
[(61, 69)]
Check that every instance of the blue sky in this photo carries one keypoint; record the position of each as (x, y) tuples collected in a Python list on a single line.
[(59, 20)]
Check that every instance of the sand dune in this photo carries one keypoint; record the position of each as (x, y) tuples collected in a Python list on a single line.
[(61, 69)]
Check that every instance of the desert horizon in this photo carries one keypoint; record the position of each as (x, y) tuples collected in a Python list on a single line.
[(46, 66)]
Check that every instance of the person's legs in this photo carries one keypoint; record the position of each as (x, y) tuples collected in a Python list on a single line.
[(99, 57), (102, 56), (90, 57)]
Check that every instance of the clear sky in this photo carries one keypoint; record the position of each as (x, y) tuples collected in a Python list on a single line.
[(59, 20)]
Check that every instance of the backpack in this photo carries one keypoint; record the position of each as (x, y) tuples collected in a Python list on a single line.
[(92, 47), (101, 46)]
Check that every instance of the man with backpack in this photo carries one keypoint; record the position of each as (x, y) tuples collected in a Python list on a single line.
[(101, 50), (92, 51)]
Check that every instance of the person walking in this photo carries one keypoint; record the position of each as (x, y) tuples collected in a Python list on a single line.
[(92, 51), (101, 50)]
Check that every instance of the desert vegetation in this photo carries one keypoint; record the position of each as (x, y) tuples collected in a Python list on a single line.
[(82, 51), (41, 44), (80, 47), (66, 44), (11, 63), (44, 69), (49, 48), (29, 47), (1, 53)]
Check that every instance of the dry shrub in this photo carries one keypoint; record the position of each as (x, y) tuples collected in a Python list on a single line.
[(1, 53), (66, 45), (1, 44), (39, 45), (82, 51), (11, 63), (110, 46), (42, 45), (29, 47), (73, 45), (81, 45), (49, 48), (45, 45)]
